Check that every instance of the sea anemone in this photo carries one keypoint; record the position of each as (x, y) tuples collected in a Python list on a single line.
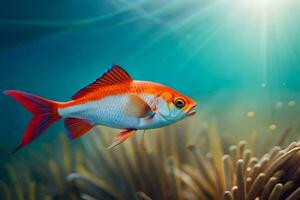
[(183, 161)]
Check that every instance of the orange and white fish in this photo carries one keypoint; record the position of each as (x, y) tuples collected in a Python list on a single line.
[(114, 100)]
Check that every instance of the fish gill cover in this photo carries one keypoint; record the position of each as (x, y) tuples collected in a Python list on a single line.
[(238, 58)]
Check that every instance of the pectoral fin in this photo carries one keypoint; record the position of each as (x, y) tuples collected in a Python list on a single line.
[(121, 137), (137, 107)]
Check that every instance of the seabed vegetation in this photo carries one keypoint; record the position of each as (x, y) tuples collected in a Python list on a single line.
[(185, 161)]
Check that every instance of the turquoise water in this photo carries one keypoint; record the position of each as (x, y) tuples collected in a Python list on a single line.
[(233, 56)]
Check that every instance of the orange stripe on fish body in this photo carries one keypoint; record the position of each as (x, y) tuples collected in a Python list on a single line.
[(114, 100)]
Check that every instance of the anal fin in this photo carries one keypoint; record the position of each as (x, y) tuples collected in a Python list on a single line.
[(122, 137), (77, 127)]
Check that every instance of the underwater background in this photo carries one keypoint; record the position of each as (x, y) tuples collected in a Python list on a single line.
[(240, 59)]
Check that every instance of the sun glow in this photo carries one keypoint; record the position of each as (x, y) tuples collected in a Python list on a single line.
[(270, 7), (264, 3)]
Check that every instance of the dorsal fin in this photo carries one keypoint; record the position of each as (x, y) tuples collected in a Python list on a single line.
[(114, 75)]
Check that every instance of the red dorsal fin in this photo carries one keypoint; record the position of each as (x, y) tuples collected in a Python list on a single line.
[(77, 127), (114, 75)]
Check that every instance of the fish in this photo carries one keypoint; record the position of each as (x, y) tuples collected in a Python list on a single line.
[(114, 100)]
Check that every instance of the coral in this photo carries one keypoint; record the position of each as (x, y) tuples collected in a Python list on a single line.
[(184, 161), (275, 176)]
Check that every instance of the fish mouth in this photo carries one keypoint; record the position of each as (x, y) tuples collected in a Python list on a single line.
[(191, 111)]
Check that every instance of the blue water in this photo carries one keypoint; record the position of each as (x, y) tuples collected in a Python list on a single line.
[(232, 56)]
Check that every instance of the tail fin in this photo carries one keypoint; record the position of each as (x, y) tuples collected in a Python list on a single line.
[(44, 114)]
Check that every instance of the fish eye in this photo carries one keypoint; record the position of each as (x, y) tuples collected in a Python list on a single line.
[(179, 103)]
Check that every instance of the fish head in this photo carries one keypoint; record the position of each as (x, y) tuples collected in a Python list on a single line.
[(173, 106)]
